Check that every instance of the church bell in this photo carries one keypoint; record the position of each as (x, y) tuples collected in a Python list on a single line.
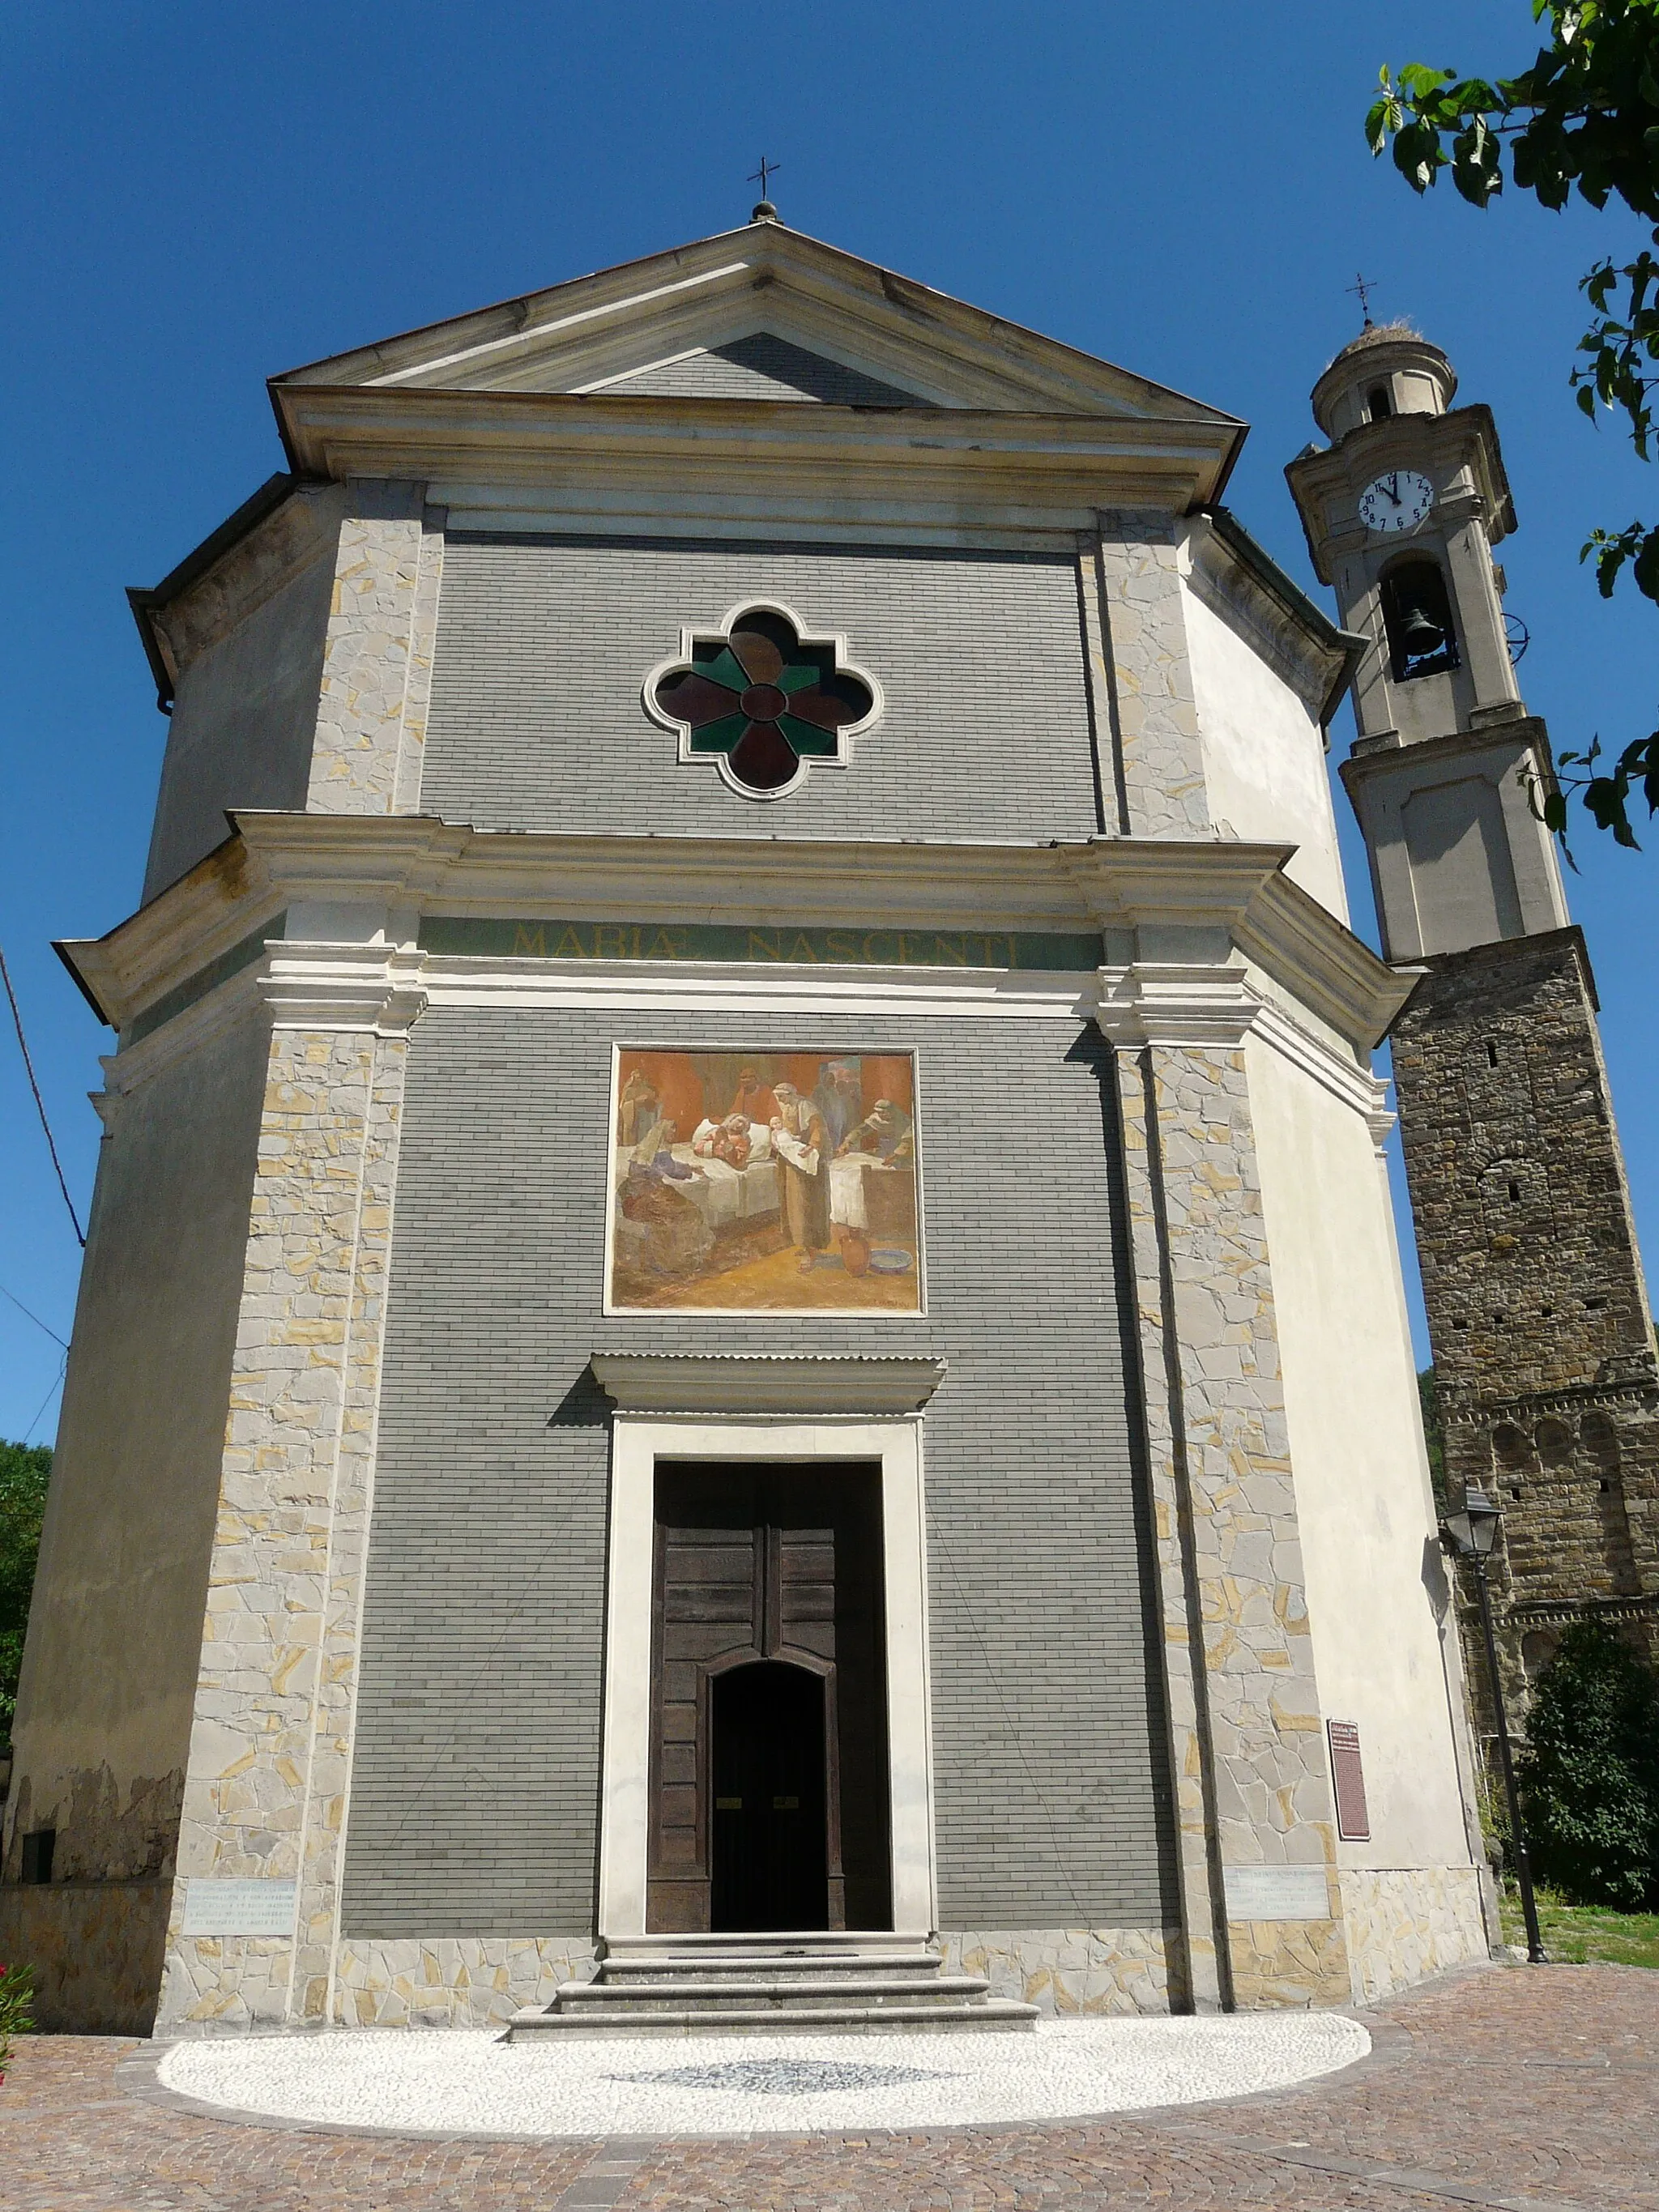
[(1420, 633)]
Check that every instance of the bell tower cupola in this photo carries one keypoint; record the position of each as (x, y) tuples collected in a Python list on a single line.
[(1401, 511)]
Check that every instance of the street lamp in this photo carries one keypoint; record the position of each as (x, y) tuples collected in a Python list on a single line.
[(1472, 1533)]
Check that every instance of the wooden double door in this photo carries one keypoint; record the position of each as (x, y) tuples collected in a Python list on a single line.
[(769, 1699)]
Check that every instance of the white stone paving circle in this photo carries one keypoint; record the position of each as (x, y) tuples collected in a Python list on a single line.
[(470, 2082)]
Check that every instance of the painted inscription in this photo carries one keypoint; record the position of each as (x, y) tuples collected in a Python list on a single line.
[(1066, 952), (764, 1182)]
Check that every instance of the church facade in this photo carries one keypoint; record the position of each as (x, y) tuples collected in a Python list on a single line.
[(741, 1282)]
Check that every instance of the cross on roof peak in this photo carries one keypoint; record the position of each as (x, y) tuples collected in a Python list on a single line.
[(763, 207)]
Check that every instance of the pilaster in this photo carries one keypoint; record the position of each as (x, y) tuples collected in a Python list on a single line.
[(268, 1775), (377, 658), (1252, 1789), (1157, 753)]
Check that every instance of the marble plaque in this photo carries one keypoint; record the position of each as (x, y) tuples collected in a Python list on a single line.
[(1277, 1892), (238, 1908)]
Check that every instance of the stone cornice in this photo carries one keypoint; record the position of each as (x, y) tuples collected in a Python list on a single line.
[(1498, 745), (377, 988), (1465, 439), (1333, 972), (1182, 1004), (931, 460), (1206, 895), (221, 584), (205, 913), (1463, 1406), (764, 1383), (1198, 1007)]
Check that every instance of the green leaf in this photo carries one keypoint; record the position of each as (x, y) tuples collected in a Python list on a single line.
[(1417, 156), (1645, 567)]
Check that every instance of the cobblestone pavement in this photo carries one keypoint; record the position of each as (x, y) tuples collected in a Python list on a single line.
[(1532, 2090)]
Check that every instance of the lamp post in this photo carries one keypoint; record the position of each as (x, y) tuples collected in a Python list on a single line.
[(1472, 1533)]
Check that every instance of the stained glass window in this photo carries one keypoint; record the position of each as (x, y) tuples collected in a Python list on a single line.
[(762, 699)]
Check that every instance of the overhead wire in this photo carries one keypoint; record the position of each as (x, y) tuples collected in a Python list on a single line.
[(39, 1103), (56, 1384), (34, 1317)]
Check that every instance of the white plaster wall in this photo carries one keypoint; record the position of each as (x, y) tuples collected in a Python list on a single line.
[(243, 724), (115, 1629), (1264, 755), (1364, 1505)]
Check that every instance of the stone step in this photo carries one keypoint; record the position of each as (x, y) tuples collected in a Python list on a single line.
[(993, 2013), (837, 1940), (690, 1985), (789, 1966), (632, 1954), (862, 1987)]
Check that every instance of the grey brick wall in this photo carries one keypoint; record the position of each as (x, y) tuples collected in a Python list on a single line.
[(475, 1791), (764, 367), (536, 721)]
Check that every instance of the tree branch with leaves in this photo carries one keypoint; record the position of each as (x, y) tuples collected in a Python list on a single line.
[(1581, 121)]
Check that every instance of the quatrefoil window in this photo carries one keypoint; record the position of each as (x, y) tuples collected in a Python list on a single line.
[(762, 700)]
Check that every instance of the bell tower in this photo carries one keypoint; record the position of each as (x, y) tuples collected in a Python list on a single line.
[(1402, 510), (1537, 1310)]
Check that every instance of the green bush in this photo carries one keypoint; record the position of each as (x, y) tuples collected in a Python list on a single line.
[(24, 1469), (1590, 1780), (16, 1988)]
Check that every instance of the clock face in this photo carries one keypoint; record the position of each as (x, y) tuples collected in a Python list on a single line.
[(1398, 500)]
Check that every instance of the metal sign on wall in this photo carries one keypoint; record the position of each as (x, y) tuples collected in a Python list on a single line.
[(1353, 1820)]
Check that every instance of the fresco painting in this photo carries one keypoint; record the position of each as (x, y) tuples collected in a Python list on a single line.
[(765, 1182)]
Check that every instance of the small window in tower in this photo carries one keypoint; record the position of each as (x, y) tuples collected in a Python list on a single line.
[(1418, 617), (1491, 1054), (1515, 1192), (1380, 403)]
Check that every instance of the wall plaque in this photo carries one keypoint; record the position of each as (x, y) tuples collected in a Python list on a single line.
[(262, 1907), (1353, 1820), (1277, 1892)]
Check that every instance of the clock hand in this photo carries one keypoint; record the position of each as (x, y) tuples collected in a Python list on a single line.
[(1391, 485)]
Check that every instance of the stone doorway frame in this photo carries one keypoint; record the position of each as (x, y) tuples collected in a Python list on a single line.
[(687, 1407)]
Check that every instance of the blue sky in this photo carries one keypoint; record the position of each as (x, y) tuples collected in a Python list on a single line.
[(198, 196)]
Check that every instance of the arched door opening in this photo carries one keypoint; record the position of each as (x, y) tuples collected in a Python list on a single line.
[(769, 1692), (770, 1841)]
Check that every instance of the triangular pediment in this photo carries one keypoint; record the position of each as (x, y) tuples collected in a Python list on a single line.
[(762, 313)]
